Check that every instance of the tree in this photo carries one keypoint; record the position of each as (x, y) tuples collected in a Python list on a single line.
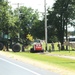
[(25, 20), (16, 22), (4, 19), (3, 15), (38, 29), (63, 12), (52, 33)]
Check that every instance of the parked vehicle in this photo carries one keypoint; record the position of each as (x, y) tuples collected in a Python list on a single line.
[(9, 43), (37, 47)]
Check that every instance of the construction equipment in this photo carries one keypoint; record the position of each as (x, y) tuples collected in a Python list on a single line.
[(9, 43), (37, 47)]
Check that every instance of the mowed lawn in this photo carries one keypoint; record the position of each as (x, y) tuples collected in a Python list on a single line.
[(51, 58), (48, 59), (54, 60)]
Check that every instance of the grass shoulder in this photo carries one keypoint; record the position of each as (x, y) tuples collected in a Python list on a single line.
[(44, 60), (49, 59)]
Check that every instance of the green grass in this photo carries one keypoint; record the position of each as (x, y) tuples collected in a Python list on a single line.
[(66, 53), (58, 61), (62, 62)]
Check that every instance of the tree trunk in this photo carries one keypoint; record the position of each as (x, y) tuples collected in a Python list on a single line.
[(62, 32)]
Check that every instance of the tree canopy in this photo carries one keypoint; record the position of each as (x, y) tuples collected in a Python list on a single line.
[(61, 15), (23, 21)]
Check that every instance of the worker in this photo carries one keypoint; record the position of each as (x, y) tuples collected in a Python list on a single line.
[(52, 44), (59, 45)]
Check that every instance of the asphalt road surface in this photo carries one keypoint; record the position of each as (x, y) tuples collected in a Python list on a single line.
[(10, 66)]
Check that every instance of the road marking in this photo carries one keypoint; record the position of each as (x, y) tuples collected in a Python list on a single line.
[(20, 66)]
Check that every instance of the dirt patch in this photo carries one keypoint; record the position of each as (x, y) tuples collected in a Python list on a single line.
[(62, 56), (40, 64)]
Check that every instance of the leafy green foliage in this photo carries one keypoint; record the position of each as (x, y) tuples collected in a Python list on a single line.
[(27, 18), (38, 30), (61, 15), (17, 23)]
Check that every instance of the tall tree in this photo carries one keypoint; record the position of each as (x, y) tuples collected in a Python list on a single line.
[(38, 29), (51, 25), (26, 18), (4, 15), (4, 19), (63, 10)]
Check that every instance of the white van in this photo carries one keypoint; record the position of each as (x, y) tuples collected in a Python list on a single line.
[(71, 39)]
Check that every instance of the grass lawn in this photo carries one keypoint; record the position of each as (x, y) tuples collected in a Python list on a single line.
[(66, 53), (64, 63), (61, 62), (54, 60)]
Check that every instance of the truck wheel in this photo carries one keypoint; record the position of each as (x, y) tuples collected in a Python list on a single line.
[(32, 50), (1, 46), (42, 50), (16, 48)]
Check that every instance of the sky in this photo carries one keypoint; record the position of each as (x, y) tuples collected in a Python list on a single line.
[(71, 28), (35, 4)]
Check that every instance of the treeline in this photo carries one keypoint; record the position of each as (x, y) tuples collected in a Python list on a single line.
[(23, 21)]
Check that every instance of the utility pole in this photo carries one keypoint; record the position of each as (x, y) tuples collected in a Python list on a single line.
[(45, 24), (18, 5)]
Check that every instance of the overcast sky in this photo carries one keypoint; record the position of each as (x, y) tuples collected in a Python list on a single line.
[(34, 4)]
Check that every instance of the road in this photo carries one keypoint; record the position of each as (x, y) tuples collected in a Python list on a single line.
[(10, 66)]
